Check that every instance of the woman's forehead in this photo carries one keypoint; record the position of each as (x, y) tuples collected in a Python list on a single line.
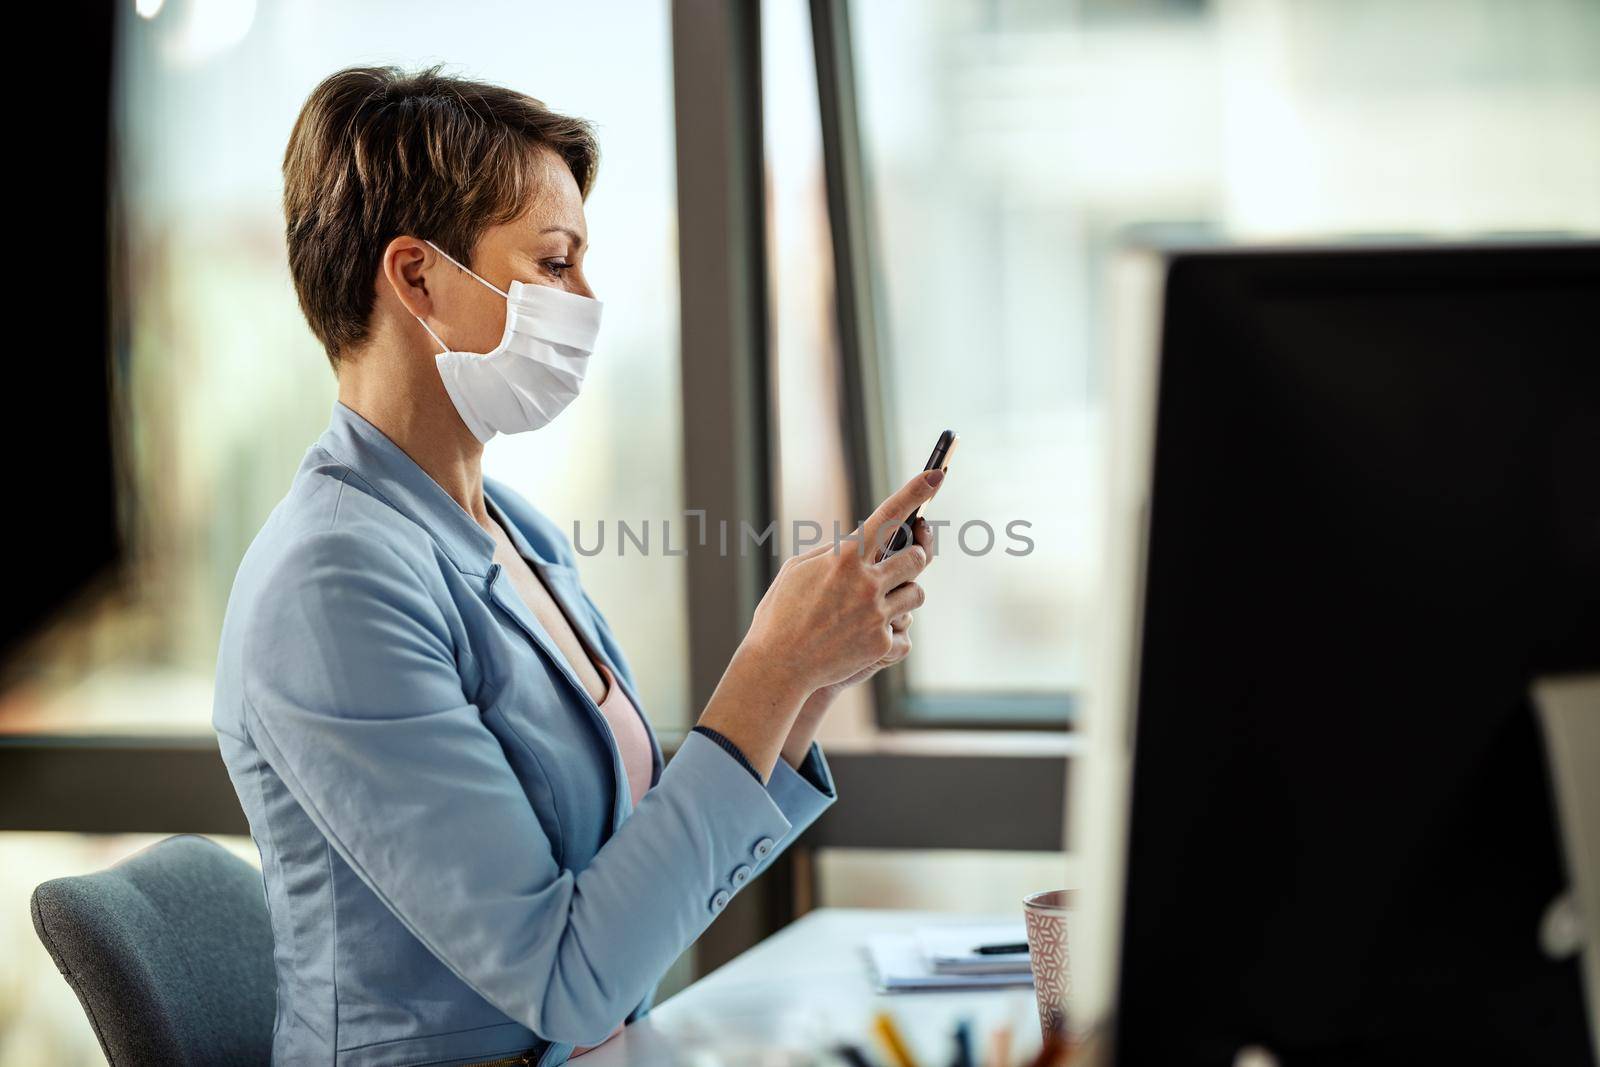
[(556, 200)]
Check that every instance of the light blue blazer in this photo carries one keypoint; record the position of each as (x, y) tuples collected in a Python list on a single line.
[(453, 864)]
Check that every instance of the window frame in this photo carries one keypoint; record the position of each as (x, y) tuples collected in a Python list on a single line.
[(866, 378)]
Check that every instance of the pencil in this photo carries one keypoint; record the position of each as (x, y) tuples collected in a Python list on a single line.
[(889, 1034), (1000, 1047)]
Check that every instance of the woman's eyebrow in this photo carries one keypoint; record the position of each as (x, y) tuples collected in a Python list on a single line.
[(577, 239)]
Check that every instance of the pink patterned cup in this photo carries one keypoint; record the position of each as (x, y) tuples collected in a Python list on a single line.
[(1046, 915)]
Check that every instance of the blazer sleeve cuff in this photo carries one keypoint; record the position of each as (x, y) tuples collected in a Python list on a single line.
[(730, 748), (814, 769), (739, 804), (805, 792)]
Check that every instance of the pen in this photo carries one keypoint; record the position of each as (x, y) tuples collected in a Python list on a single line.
[(963, 1045), (996, 950), (889, 1034), (852, 1055)]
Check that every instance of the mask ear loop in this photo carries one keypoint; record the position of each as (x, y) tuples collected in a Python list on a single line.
[(468, 269), (444, 347)]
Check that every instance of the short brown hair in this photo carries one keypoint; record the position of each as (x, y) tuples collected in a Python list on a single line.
[(378, 152)]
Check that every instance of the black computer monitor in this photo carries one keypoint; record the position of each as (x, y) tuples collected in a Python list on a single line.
[(1374, 521), (61, 530)]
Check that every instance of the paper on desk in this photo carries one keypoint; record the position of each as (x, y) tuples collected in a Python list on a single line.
[(949, 949), (899, 965)]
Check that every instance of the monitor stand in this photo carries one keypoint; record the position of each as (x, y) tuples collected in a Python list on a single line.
[(1569, 710)]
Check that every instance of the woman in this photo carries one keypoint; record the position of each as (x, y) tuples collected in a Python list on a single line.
[(472, 852)]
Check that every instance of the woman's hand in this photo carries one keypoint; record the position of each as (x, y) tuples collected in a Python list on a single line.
[(898, 650), (899, 628), (815, 709), (834, 614)]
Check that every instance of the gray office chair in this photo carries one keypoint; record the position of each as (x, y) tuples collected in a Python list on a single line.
[(170, 952)]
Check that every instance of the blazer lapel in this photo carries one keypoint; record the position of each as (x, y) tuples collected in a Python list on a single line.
[(506, 598), (565, 589), (563, 585)]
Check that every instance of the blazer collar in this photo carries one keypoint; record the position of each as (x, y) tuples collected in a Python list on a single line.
[(523, 546), (409, 489)]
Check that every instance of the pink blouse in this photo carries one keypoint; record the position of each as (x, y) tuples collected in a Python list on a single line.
[(634, 743), (629, 730)]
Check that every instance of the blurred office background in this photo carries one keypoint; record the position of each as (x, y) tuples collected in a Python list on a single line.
[(1004, 148)]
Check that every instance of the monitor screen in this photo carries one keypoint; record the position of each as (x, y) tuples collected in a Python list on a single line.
[(1374, 520)]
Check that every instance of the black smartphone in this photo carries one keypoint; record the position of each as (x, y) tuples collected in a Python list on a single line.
[(940, 459)]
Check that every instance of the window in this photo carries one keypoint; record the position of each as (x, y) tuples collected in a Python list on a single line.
[(224, 387), (1006, 148)]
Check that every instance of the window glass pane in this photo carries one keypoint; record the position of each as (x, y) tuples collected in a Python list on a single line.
[(812, 482), (1009, 143), (225, 387)]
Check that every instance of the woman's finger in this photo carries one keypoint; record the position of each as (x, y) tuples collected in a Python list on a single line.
[(902, 566), (893, 511), (904, 599), (814, 551)]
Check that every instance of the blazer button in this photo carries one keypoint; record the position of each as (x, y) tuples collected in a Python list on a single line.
[(719, 901), (741, 875), (763, 847)]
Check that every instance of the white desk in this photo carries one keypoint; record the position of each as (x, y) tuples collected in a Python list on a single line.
[(809, 986)]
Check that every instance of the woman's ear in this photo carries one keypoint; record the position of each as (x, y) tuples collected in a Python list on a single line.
[(405, 265)]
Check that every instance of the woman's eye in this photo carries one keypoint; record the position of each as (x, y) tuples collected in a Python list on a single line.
[(557, 268)]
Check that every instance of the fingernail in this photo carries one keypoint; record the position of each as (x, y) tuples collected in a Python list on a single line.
[(933, 478)]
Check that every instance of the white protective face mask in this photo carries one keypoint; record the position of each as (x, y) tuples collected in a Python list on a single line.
[(534, 372)]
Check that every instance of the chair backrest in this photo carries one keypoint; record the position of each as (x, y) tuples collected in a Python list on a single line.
[(170, 952)]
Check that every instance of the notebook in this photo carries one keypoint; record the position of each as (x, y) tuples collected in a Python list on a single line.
[(899, 964), (950, 949)]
